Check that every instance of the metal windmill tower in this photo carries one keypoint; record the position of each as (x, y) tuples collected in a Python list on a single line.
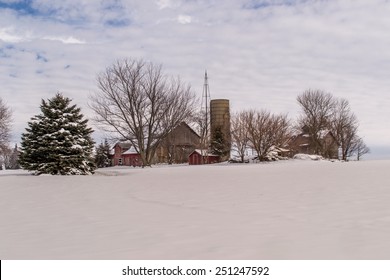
[(205, 110)]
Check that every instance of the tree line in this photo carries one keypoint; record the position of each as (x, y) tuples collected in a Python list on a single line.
[(137, 102), (320, 112)]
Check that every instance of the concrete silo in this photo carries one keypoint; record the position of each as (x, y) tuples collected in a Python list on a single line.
[(220, 125)]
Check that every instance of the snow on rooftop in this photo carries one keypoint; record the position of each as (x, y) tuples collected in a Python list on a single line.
[(323, 133), (130, 151), (307, 157), (204, 153)]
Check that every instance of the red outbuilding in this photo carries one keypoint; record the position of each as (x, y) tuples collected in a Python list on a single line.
[(202, 157), (125, 154)]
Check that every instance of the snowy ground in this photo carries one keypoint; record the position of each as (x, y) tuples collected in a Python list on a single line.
[(284, 210)]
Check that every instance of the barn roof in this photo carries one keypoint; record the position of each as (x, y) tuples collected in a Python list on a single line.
[(184, 124), (191, 129)]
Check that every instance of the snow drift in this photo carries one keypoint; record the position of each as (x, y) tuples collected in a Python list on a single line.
[(308, 157), (282, 210)]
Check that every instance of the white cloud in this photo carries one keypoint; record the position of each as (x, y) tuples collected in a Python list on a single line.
[(256, 57), (65, 40), (184, 19), (163, 4), (8, 35)]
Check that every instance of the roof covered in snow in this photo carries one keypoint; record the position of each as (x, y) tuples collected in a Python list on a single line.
[(204, 153), (130, 151)]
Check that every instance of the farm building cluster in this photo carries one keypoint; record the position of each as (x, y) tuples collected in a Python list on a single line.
[(184, 145)]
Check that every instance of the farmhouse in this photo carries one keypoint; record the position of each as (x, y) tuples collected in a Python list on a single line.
[(303, 144), (123, 153)]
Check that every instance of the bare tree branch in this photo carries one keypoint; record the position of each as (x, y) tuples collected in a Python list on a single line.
[(318, 107), (240, 134), (361, 148), (266, 130), (321, 111), (344, 126), (140, 104), (5, 126)]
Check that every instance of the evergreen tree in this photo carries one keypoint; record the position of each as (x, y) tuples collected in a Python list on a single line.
[(102, 157), (218, 143), (58, 141)]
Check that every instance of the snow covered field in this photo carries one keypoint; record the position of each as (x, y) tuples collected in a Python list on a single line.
[(284, 210)]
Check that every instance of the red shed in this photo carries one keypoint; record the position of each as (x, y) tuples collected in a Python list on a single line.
[(202, 157)]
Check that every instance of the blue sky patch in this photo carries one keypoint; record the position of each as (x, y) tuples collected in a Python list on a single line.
[(40, 57), (26, 8), (255, 4), (117, 22), (113, 6), (22, 7), (2, 53)]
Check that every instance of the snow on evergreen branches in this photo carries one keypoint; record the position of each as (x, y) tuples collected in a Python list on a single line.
[(58, 141)]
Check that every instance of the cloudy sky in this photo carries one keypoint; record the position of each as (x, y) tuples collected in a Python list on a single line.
[(258, 53)]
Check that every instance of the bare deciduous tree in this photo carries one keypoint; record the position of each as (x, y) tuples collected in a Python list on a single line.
[(141, 104), (266, 130), (5, 126), (361, 148), (318, 107), (344, 126), (322, 112), (282, 130), (240, 135), (258, 131), (202, 124)]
